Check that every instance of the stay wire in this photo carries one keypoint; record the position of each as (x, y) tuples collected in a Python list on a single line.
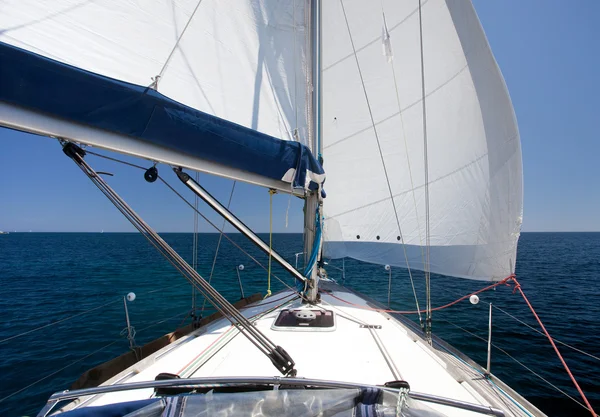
[(426, 166), (195, 249), (551, 340), (119, 300), (256, 261), (212, 269), (271, 192), (60, 370), (387, 178), (517, 361), (276, 354), (536, 330), (164, 67), (542, 334), (217, 299), (412, 283), (59, 321)]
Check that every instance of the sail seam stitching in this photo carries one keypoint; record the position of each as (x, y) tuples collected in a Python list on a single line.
[(404, 109), (475, 161)]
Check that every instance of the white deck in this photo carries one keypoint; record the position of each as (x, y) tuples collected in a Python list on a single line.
[(349, 353)]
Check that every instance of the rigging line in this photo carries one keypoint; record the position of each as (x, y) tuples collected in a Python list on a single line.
[(293, 296), (164, 67), (195, 249), (489, 380), (537, 331), (402, 128), (212, 268), (542, 333), (295, 72), (166, 288), (59, 321), (256, 261), (217, 299), (271, 192), (59, 370), (585, 400), (489, 287), (517, 361), (382, 160), (114, 159), (85, 312), (308, 78), (265, 345), (412, 186), (156, 323), (225, 338), (426, 165)]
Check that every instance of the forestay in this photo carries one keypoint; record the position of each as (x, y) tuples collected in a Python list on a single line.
[(244, 62), (374, 141)]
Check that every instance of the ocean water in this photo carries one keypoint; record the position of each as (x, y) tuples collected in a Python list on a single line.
[(48, 277)]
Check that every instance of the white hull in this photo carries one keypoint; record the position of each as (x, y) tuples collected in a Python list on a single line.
[(348, 353)]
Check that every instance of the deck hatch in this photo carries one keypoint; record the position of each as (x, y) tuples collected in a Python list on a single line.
[(303, 319)]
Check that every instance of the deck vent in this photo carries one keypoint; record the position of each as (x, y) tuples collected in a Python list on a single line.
[(304, 319)]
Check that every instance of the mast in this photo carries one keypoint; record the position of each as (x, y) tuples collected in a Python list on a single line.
[(313, 198)]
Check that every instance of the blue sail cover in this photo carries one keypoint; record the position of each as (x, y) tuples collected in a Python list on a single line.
[(65, 92)]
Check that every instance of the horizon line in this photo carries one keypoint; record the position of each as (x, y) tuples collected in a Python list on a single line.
[(275, 233)]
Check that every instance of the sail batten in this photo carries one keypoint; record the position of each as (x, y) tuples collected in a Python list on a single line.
[(475, 174)]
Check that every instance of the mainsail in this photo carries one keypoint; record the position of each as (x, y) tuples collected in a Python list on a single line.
[(217, 67), (373, 134)]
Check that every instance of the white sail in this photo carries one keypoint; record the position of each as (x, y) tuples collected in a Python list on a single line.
[(242, 61), (374, 142)]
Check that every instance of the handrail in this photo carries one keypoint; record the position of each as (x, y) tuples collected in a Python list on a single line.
[(276, 380)]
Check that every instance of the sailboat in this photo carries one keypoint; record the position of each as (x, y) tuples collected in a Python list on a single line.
[(391, 120)]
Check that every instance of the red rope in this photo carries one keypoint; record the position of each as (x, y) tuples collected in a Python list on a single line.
[(517, 287), (489, 287), (585, 400)]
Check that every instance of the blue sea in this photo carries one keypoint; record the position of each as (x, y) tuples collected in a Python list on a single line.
[(48, 277)]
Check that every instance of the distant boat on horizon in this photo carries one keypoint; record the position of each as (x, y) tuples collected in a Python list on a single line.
[(3, 233)]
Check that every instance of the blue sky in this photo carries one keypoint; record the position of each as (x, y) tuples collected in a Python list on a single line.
[(548, 53)]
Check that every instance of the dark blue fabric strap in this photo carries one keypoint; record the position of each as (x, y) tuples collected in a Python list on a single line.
[(65, 92), (367, 402)]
